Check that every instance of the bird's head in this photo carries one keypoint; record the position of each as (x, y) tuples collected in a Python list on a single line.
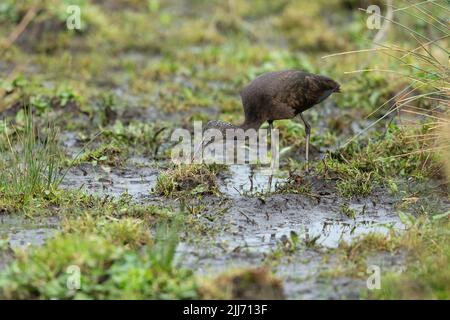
[(220, 125), (330, 84), (322, 87)]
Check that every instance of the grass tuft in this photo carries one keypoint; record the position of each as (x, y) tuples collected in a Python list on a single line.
[(30, 164), (187, 180)]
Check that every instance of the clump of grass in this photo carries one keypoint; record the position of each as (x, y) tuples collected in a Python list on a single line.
[(149, 137), (187, 180), (355, 183), (351, 182), (240, 284), (30, 163)]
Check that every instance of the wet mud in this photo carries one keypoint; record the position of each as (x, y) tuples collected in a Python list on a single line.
[(249, 225)]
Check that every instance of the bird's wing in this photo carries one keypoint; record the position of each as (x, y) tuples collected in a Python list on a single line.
[(291, 89), (301, 90)]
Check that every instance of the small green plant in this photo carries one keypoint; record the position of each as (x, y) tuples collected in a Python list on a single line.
[(66, 95)]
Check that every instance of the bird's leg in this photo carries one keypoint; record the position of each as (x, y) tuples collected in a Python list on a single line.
[(251, 178), (270, 139), (271, 158), (308, 134), (270, 183)]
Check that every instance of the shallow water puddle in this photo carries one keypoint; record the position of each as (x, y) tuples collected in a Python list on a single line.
[(252, 229), (327, 233), (106, 181), (244, 179), (330, 233), (259, 225), (21, 232)]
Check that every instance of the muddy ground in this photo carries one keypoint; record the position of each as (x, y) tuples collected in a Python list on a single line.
[(246, 227)]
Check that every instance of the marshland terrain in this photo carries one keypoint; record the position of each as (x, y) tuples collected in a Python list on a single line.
[(86, 177)]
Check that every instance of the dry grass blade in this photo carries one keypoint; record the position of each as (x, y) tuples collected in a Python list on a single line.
[(29, 16)]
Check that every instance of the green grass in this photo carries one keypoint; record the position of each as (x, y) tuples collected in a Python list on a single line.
[(118, 259), (187, 180), (31, 162), (426, 274), (379, 161), (107, 154), (139, 135), (295, 184), (423, 270)]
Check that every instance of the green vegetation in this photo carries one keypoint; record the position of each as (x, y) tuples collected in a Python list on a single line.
[(118, 259), (426, 275), (110, 269), (378, 161), (30, 165)]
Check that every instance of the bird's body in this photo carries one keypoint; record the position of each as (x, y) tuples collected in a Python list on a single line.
[(283, 95), (280, 95)]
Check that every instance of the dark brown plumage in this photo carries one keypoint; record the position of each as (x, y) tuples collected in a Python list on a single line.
[(281, 95)]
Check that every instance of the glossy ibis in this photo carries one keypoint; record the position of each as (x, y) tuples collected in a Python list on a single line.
[(281, 95)]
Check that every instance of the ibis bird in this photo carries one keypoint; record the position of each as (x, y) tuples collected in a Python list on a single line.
[(281, 95)]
